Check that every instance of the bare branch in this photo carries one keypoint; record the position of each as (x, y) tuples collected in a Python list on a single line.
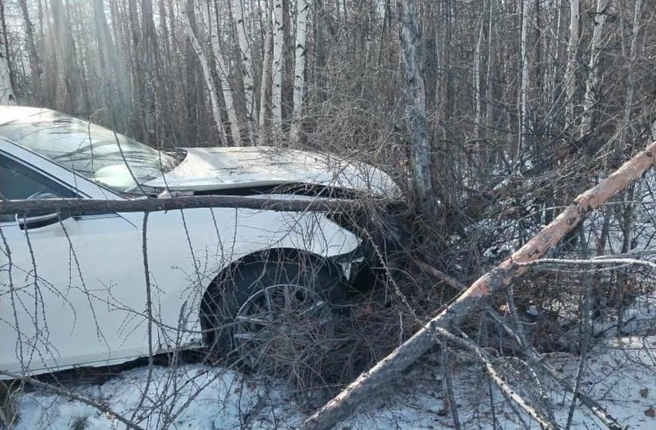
[(592, 262), (71, 395), (405, 355), (27, 207)]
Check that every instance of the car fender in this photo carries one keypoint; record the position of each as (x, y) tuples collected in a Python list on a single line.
[(188, 249)]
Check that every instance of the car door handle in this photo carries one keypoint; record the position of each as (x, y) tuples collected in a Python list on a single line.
[(38, 221)]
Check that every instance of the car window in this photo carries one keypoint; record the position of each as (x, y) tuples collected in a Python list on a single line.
[(18, 182)]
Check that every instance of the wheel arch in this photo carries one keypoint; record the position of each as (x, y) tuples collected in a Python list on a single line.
[(262, 256)]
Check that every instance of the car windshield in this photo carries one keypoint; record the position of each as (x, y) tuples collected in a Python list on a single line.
[(99, 154)]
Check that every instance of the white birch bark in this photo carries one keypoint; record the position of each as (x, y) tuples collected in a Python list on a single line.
[(278, 65), (630, 88), (625, 133), (266, 73), (554, 62), (572, 49), (523, 92), (490, 65), (592, 82), (7, 96), (302, 8), (207, 75), (35, 62), (476, 72), (247, 69), (222, 71)]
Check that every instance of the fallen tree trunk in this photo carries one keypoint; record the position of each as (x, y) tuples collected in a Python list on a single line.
[(397, 361), (28, 207)]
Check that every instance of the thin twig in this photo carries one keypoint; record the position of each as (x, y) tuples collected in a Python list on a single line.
[(449, 386), (74, 396), (585, 335), (149, 314), (532, 354), (465, 342)]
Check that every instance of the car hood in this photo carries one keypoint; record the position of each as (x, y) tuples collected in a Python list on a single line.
[(207, 169)]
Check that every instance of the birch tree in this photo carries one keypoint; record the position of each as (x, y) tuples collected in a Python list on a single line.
[(476, 72), (246, 70), (135, 47), (265, 132), (207, 75), (278, 65), (67, 60), (630, 86), (7, 96), (222, 70), (302, 8), (592, 89), (6, 91), (490, 65), (572, 49), (35, 62), (110, 65), (523, 91)]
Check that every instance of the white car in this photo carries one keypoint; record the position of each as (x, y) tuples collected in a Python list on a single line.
[(74, 290)]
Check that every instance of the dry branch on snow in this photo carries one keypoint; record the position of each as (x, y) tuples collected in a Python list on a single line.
[(391, 366)]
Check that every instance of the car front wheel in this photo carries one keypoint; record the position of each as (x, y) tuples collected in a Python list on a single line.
[(274, 314)]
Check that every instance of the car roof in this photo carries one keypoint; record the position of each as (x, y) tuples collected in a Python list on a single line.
[(13, 113)]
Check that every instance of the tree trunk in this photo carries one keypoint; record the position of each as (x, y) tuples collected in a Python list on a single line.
[(35, 62), (320, 50), (630, 86), (265, 131), (397, 361), (73, 97), (153, 73), (476, 72), (278, 65), (223, 72), (138, 96), (489, 118), (570, 72), (415, 100), (523, 91), (302, 8), (246, 69), (111, 67), (592, 89), (207, 75), (7, 96)]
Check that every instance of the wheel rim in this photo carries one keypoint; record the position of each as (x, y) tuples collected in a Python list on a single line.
[(282, 325)]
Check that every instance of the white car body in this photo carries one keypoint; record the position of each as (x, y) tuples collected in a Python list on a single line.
[(73, 292)]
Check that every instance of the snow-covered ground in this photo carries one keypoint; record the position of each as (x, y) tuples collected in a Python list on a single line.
[(620, 375)]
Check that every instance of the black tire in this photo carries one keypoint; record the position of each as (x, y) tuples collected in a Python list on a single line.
[(230, 291)]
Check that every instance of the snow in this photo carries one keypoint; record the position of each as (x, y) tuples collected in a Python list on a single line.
[(618, 374)]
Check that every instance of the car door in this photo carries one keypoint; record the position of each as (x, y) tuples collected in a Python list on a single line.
[(71, 285)]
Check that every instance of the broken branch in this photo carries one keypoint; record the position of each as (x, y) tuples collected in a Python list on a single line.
[(97, 206), (398, 360)]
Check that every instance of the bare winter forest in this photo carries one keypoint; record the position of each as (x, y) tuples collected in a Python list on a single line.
[(516, 130)]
